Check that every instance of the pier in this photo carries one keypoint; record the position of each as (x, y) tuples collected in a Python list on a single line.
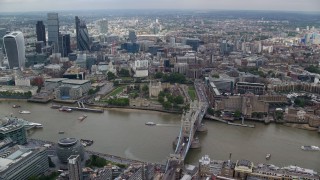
[(85, 109)]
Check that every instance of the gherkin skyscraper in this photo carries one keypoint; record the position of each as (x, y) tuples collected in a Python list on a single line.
[(83, 43)]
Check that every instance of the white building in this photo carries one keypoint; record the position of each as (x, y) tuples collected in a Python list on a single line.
[(140, 68), (22, 82)]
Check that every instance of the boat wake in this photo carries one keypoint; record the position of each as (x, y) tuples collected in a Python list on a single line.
[(168, 125), (130, 155)]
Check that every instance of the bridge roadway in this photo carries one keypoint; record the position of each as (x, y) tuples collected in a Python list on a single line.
[(190, 122)]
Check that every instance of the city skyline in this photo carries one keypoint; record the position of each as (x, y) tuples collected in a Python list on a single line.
[(274, 5)]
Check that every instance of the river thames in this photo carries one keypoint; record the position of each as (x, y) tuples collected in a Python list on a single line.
[(124, 133)]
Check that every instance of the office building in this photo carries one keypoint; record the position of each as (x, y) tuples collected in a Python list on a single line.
[(5, 144), (255, 88), (68, 93), (103, 26), (15, 49), (83, 41), (67, 147), (64, 44), (1, 56), (131, 47), (3, 32), (39, 46), (74, 167), (132, 36), (225, 47), (85, 85), (10, 128), (18, 162), (53, 31), (41, 32), (193, 42)]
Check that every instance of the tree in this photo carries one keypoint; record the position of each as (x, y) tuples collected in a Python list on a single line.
[(299, 102), (237, 114), (37, 81), (110, 76), (215, 76), (179, 99), (313, 69), (161, 99), (167, 105), (145, 88), (174, 78), (96, 161), (218, 113), (162, 94), (116, 83), (118, 101), (124, 73), (279, 115), (158, 75), (210, 111)]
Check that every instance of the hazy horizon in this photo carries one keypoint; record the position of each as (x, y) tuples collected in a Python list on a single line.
[(62, 5)]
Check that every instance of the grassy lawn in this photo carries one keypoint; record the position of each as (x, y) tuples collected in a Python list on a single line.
[(192, 93), (116, 91), (126, 78)]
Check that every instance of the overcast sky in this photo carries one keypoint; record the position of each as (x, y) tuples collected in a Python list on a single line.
[(49, 5)]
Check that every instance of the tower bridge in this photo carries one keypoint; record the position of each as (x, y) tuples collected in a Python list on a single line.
[(191, 121)]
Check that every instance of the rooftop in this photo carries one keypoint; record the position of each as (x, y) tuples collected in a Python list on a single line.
[(77, 82), (67, 141), (55, 79), (13, 155)]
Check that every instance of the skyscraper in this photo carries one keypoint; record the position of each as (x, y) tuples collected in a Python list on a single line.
[(64, 44), (82, 35), (53, 31), (41, 32), (15, 49), (132, 36), (3, 32), (74, 167), (103, 26)]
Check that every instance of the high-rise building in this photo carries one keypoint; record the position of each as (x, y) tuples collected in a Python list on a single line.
[(15, 49), (83, 41), (53, 31), (64, 44), (132, 36), (39, 46), (19, 162), (41, 32), (13, 129), (1, 57), (2, 33), (74, 167), (103, 26)]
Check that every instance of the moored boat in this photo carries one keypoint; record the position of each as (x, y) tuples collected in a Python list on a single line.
[(61, 132), (65, 109), (16, 106), (86, 142)]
